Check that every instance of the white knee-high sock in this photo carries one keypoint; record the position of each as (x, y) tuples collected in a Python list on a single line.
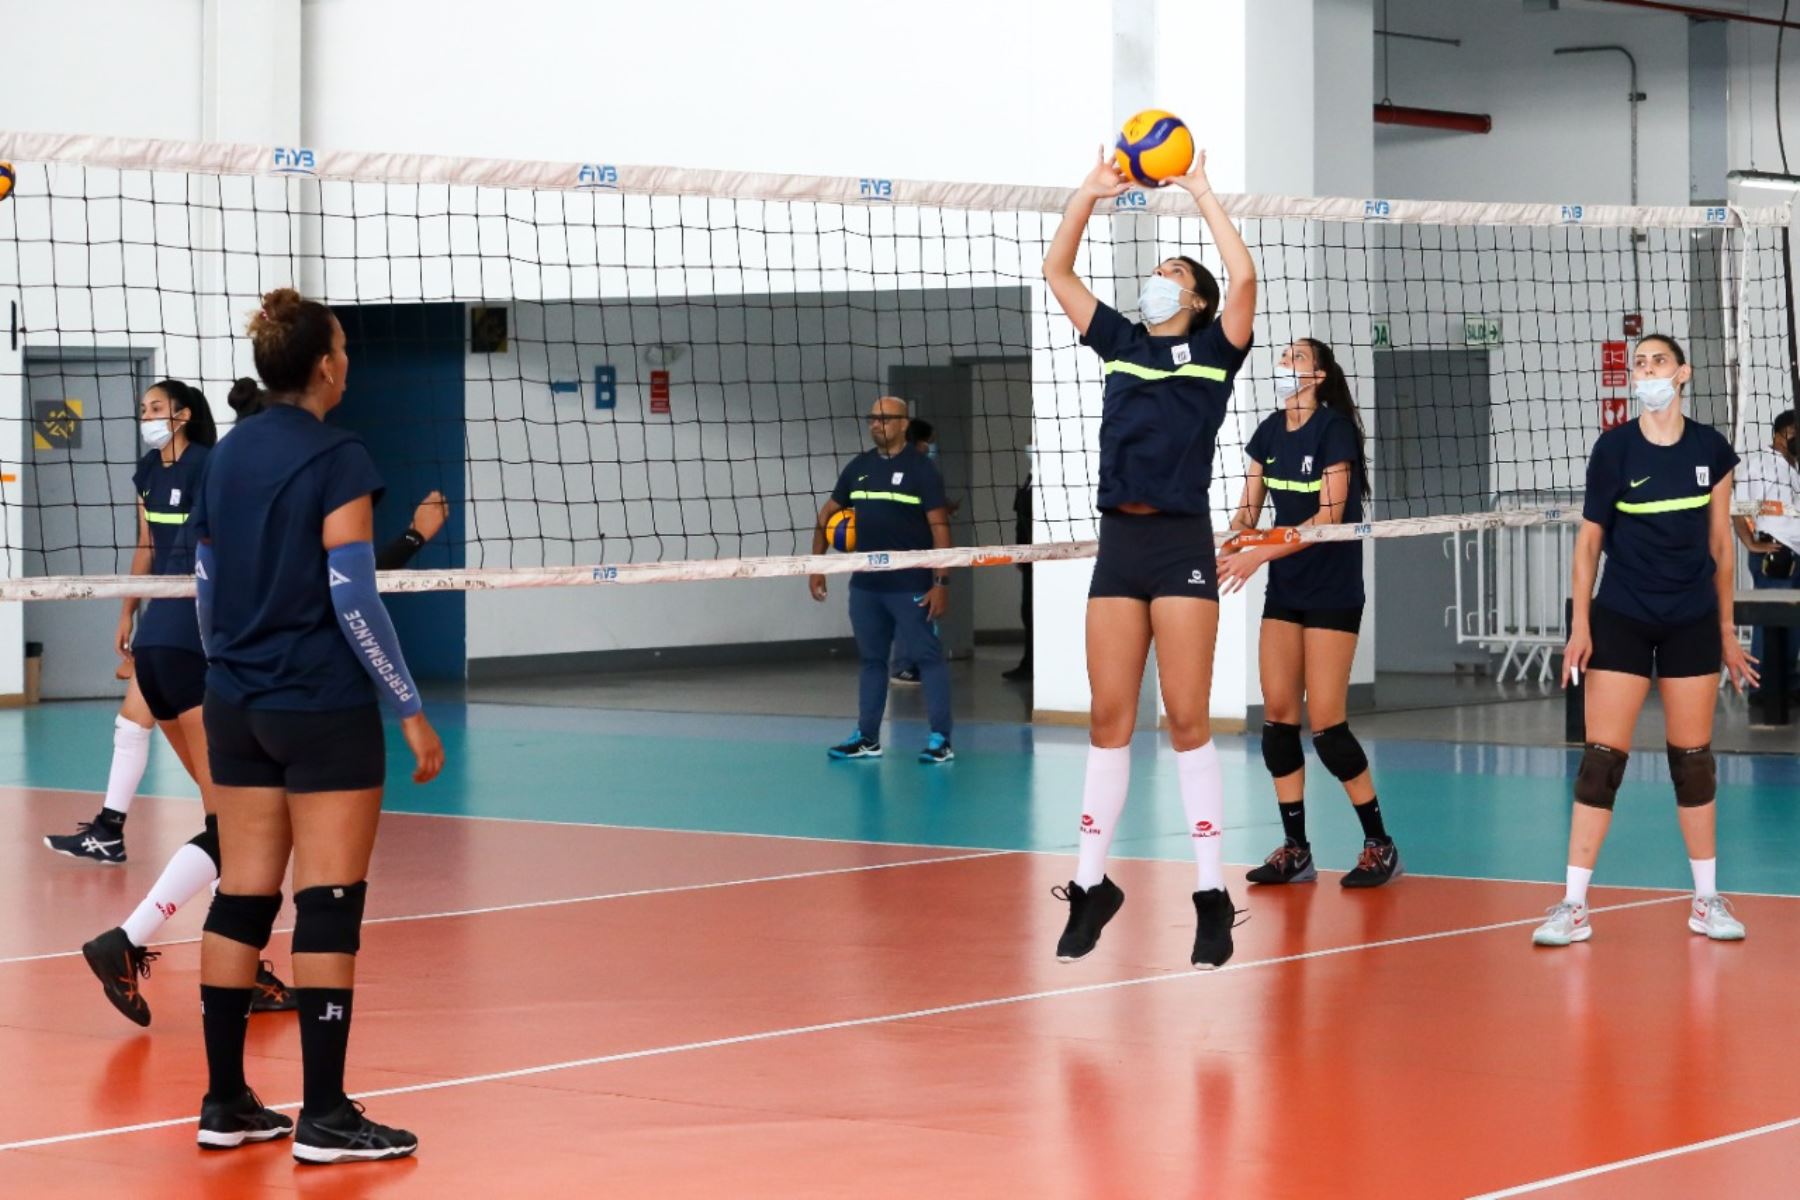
[(1102, 800), (131, 754), (188, 874), (1203, 796)]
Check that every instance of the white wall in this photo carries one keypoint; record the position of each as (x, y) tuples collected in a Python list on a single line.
[(130, 68), (1561, 124)]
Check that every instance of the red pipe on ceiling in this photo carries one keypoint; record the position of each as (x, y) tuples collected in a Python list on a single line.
[(1433, 118), (1706, 14)]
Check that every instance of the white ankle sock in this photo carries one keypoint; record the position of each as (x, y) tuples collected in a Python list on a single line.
[(1706, 876), (1102, 800), (1203, 796), (131, 754), (189, 872), (1575, 891)]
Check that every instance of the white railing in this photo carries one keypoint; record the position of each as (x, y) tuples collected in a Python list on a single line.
[(1512, 585)]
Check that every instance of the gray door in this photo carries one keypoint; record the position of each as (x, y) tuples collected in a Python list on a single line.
[(943, 396), (1433, 456), (81, 510)]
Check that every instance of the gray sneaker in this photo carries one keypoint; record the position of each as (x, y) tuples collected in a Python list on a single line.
[(1567, 923), (1712, 916)]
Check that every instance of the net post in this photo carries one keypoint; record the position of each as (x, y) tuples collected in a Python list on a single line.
[(14, 416)]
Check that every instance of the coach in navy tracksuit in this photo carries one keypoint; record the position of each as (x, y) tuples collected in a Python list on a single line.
[(898, 498)]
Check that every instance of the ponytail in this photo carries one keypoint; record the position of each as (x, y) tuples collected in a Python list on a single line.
[(1333, 392)]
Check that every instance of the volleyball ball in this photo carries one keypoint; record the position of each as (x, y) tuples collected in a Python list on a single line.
[(6, 179), (1154, 147), (840, 530)]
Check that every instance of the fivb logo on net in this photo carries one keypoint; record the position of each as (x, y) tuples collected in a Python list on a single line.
[(875, 189), (295, 160), (597, 175), (1135, 198)]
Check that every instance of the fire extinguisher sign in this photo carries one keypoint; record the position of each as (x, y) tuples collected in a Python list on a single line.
[(1615, 381)]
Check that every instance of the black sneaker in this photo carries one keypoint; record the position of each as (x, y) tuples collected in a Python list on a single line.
[(118, 965), (1378, 863), (1214, 918), (272, 995), (1292, 862), (937, 750), (856, 746), (909, 676), (346, 1135), (1089, 911), (99, 840), (228, 1124)]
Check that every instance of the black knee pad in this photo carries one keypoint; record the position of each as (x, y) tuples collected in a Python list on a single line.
[(1341, 753), (1598, 777), (246, 919), (209, 841), (1696, 775), (328, 920), (1281, 749)]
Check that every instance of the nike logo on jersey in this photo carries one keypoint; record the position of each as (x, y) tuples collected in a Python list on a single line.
[(1640, 482), (1270, 461)]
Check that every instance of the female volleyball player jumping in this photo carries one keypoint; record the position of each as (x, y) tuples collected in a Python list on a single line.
[(299, 646), (1309, 459), (168, 682), (1168, 381), (1659, 503)]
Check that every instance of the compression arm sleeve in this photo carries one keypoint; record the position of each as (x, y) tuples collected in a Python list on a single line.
[(365, 624), (203, 593)]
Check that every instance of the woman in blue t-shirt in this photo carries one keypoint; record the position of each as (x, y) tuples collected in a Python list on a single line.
[(1309, 458), (299, 646), (160, 639), (1659, 504), (1168, 381)]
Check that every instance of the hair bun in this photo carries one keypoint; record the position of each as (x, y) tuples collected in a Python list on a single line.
[(245, 394)]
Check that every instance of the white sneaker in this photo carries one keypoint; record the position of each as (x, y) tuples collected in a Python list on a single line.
[(1567, 923), (1711, 915)]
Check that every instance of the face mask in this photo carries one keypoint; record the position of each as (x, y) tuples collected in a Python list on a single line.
[(1654, 394), (1160, 299), (1286, 384), (156, 433)]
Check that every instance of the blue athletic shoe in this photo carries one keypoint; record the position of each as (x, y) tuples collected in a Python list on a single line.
[(856, 746), (937, 750)]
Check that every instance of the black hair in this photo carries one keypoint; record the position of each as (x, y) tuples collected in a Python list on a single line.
[(1784, 422), (919, 430), (185, 397), (1207, 288), (1673, 345), (290, 335), (247, 398), (1333, 392)]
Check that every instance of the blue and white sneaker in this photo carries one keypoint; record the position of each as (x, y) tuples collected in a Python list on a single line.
[(937, 750), (1712, 916), (856, 746)]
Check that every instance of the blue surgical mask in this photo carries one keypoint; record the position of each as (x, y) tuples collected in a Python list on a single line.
[(1654, 394), (156, 433), (1286, 384), (1159, 299)]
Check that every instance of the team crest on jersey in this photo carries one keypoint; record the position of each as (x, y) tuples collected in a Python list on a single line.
[(899, 475), (174, 495), (1703, 476), (1306, 465), (1181, 353)]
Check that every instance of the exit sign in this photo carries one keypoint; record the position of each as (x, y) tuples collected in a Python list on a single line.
[(1481, 331)]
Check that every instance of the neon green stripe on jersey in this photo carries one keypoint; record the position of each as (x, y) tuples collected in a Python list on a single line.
[(1293, 485), (1651, 507), (156, 518), (896, 497), (1188, 371)]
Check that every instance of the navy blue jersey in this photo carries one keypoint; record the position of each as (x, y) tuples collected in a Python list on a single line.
[(891, 497), (269, 484), (1165, 400), (1326, 574), (167, 492), (1653, 503)]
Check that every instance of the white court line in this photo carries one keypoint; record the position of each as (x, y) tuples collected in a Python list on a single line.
[(1525, 1189), (562, 900), (852, 1023)]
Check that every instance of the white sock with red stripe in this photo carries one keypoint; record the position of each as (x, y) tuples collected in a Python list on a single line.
[(188, 874), (1102, 800), (1203, 796), (131, 755)]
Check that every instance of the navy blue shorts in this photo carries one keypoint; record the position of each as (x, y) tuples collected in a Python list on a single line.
[(1634, 647), (172, 680), (1154, 555), (1342, 620)]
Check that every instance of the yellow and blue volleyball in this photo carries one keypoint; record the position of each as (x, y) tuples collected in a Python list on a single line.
[(7, 179), (840, 530), (1154, 147)]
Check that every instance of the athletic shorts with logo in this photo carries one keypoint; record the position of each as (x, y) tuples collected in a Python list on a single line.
[(1147, 557)]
